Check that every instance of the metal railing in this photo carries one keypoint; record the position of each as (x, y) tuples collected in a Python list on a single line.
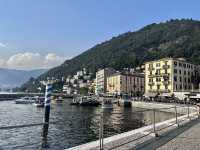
[(155, 128)]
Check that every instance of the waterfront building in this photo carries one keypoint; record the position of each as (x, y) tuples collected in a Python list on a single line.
[(170, 75), (126, 83), (101, 80)]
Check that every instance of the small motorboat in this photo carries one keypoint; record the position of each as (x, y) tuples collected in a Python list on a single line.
[(85, 101), (107, 102), (39, 102), (25, 100)]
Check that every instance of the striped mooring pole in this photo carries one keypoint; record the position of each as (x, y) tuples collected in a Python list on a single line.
[(48, 92)]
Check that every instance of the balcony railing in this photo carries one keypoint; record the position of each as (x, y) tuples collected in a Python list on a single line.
[(166, 66), (151, 83), (166, 82), (151, 68)]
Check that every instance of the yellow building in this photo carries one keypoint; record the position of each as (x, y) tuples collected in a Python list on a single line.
[(170, 75), (120, 83)]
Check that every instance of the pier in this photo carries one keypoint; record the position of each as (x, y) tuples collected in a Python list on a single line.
[(175, 133)]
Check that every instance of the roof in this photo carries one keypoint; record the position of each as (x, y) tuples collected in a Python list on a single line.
[(169, 58), (135, 74)]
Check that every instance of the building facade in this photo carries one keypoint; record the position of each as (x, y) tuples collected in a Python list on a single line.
[(101, 80), (123, 83), (169, 75)]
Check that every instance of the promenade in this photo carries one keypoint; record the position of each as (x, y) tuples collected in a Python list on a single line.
[(181, 134)]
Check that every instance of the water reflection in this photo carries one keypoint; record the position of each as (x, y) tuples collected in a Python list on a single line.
[(74, 125)]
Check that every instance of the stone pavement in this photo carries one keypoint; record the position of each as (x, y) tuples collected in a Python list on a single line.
[(185, 137)]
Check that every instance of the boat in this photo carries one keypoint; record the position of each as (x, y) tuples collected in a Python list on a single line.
[(85, 101), (39, 101), (57, 99), (107, 102), (25, 100), (125, 101)]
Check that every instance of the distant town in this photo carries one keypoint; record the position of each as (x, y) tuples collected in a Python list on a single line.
[(167, 77)]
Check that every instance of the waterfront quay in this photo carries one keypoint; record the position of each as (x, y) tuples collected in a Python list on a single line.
[(168, 134)]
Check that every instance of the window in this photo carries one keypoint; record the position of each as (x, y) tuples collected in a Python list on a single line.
[(158, 87), (184, 65), (185, 79), (180, 79), (175, 78), (179, 71), (158, 72), (158, 79), (179, 64), (184, 72), (175, 70), (188, 72), (158, 65), (180, 87), (175, 63), (166, 87)]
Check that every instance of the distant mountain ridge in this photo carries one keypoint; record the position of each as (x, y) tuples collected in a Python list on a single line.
[(10, 78), (174, 38)]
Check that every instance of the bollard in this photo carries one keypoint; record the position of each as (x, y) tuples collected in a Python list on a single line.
[(46, 114), (176, 115), (101, 132), (154, 123), (188, 111)]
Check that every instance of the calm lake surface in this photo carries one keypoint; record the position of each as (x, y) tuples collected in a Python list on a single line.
[(73, 125)]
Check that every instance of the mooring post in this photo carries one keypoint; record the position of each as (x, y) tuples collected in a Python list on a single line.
[(188, 111), (154, 123), (46, 112), (101, 132), (176, 115)]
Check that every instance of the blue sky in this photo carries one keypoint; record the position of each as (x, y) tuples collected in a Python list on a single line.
[(65, 28)]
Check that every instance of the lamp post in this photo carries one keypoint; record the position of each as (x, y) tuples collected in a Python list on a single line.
[(48, 83)]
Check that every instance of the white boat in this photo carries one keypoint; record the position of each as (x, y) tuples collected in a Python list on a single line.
[(107, 102), (125, 101), (39, 102), (25, 100)]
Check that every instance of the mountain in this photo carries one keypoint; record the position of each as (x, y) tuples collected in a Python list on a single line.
[(174, 38), (12, 78)]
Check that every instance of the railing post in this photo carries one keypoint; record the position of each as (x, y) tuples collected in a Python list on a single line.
[(154, 123), (188, 111), (101, 132), (176, 115)]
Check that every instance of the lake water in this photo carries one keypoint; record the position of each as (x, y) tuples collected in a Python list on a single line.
[(73, 125)]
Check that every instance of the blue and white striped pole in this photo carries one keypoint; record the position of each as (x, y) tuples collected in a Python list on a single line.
[(47, 112)]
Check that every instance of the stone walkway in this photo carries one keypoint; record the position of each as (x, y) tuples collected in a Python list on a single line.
[(185, 137)]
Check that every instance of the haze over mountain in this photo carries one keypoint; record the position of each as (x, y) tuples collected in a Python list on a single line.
[(174, 38), (10, 78)]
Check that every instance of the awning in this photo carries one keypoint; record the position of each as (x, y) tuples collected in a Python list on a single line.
[(150, 94), (166, 95)]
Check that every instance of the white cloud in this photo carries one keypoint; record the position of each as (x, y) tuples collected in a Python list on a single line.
[(3, 45), (28, 61)]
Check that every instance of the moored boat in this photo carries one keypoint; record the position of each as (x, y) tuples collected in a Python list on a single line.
[(25, 100), (39, 102), (107, 102), (85, 101)]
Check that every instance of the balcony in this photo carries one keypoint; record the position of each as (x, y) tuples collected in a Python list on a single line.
[(166, 66), (165, 82), (151, 83), (151, 68), (150, 75)]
